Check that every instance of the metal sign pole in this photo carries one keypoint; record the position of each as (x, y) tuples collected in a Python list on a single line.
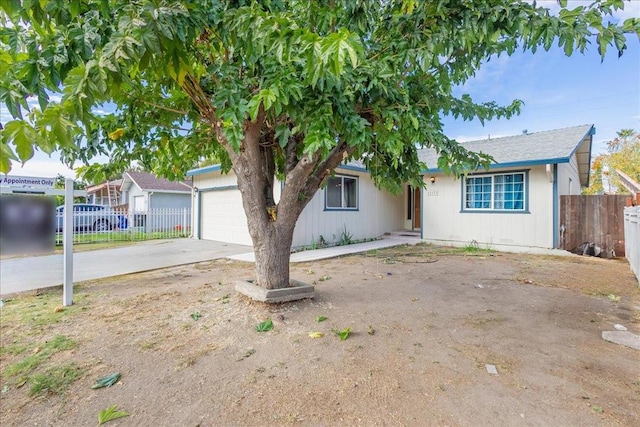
[(67, 244)]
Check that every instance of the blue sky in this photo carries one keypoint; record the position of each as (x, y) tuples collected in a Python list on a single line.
[(558, 91)]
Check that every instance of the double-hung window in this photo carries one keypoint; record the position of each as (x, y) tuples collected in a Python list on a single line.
[(342, 193), (505, 192)]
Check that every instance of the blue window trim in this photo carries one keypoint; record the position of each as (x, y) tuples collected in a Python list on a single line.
[(497, 211), (357, 208)]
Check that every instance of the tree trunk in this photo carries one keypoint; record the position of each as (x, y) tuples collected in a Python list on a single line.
[(272, 252), (271, 225)]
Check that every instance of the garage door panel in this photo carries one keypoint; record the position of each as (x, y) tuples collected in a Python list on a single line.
[(223, 218)]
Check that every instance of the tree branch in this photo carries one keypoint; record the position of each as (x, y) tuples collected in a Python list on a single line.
[(161, 107)]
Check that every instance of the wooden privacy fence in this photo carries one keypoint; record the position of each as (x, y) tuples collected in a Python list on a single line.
[(632, 238), (594, 219)]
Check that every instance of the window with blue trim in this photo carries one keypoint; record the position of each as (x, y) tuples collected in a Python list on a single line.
[(498, 192), (341, 193)]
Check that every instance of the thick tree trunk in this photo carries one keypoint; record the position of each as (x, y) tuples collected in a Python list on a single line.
[(272, 252), (271, 225)]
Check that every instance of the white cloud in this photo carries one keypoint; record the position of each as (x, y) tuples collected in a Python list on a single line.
[(5, 116), (631, 10), (631, 7), (42, 168), (490, 71), (55, 98)]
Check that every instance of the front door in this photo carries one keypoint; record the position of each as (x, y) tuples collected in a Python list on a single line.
[(416, 208)]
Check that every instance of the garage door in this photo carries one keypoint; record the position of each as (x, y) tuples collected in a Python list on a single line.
[(223, 218)]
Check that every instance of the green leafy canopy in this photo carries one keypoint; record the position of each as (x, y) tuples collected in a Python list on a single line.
[(328, 81)]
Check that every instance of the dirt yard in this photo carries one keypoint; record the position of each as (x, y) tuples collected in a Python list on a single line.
[(424, 324)]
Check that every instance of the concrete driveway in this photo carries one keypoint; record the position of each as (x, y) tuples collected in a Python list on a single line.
[(29, 273)]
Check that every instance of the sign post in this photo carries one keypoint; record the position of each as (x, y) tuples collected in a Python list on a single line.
[(44, 186), (67, 244)]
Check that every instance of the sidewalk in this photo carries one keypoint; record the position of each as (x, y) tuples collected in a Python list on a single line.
[(30, 273), (336, 251)]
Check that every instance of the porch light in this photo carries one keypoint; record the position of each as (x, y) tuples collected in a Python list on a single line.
[(432, 179)]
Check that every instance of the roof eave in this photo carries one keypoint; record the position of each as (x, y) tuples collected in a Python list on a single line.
[(505, 165), (203, 170), (152, 190)]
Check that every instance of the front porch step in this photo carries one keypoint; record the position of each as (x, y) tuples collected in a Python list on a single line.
[(404, 233)]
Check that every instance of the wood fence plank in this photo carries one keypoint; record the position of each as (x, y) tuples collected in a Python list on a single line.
[(596, 219)]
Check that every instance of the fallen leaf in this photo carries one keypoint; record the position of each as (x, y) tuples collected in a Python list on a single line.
[(107, 380), (111, 413), (343, 334), (316, 335), (265, 326)]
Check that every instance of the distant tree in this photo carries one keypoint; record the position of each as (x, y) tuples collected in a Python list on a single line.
[(272, 88), (623, 153), (77, 185)]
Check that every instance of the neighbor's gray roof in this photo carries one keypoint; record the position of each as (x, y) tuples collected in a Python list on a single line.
[(551, 146), (149, 182)]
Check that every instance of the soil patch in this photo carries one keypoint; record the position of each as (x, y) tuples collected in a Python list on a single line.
[(424, 323)]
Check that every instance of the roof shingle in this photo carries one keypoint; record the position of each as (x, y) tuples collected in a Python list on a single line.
[(558, 145), (149, 182)]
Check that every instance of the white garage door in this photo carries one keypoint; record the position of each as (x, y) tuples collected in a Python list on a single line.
[(223, 218)]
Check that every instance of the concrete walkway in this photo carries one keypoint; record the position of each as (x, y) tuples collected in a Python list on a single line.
[(29, 273), (336, 251)]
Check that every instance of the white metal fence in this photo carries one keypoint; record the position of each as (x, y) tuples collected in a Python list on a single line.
[(632, 238), (94, 224)]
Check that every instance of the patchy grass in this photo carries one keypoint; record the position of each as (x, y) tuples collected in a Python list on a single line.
[(129, 235), (39, 355), (30, 343), (55, 379), (425, 253), (38, 310)]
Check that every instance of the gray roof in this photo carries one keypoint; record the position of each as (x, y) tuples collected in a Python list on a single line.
[(546, 147), (551, 146), (148, 182)]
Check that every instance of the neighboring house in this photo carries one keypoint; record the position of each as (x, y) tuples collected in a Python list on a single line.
[(106, 193), (145, 192), (513, 205)]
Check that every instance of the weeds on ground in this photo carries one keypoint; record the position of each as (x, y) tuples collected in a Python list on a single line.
[(27, 347), (55, 379), (36, 311)]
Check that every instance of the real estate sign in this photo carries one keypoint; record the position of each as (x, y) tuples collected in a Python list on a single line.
[(26, 182)]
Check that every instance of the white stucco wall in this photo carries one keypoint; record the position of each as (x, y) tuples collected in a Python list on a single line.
[(443, 221), (569, 178), (378, 212)]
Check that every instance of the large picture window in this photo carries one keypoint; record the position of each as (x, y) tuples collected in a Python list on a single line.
[(497, 192), (341, 193)]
